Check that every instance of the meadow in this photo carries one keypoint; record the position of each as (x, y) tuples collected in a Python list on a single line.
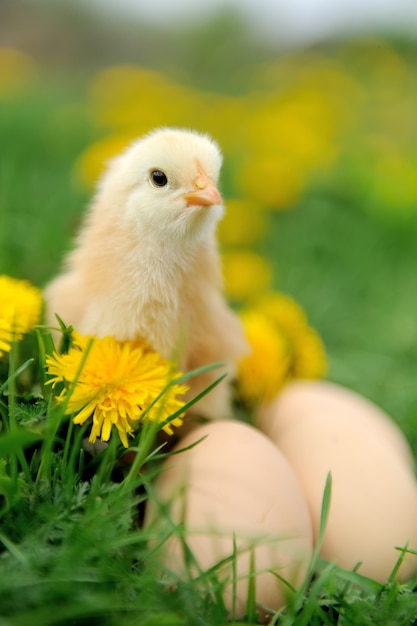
[(320, 185)]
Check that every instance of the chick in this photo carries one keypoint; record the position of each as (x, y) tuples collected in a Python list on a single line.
[(146, 263)]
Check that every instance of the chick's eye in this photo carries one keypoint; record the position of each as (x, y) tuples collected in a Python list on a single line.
[(158, 178)]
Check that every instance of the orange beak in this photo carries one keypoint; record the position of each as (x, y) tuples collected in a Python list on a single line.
[(204, 193)]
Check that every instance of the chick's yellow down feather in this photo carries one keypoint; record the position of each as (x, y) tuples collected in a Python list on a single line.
[(146, 263)]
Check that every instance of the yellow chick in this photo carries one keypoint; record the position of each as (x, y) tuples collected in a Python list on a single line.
[(146, 262)]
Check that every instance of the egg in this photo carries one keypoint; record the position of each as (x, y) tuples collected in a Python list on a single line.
[(321, 427), (300, 398), (242, 510)]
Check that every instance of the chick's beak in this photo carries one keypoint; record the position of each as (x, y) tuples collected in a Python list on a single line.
[(204, 193)]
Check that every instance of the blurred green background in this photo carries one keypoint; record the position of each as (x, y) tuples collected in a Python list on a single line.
[(320, 163)]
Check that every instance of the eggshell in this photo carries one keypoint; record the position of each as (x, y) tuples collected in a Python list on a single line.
[(321, 427), (235, 484), (301, 398)]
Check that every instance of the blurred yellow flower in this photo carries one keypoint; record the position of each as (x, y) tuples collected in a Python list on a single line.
[(92, 162), (309, 356), (308, 353), (246, 274), (242, 224), (283, 311), (271, 182), (20, 310), (133, 98), (223, 117), (263, 372), (299, 121), (283, 347), (115, 384), (17, 70)]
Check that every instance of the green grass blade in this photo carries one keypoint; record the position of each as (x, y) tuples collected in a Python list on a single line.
[(15, 374)]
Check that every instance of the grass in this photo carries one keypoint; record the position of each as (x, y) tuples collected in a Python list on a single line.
[(71, 549), (37, 215), (354, 275)]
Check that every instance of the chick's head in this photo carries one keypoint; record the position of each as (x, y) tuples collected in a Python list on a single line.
[(168, 183)]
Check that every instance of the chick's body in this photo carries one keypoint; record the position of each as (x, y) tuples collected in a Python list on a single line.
[(146, 262)]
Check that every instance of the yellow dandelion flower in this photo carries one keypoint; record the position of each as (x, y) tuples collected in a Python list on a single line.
[(246, 274), (20, 310), (116, 384), (130, 97), (224, 117), (308, 358), (283, 311), (309, 355), (91, 164), (285, 177), (242, 224), (264, 370), (283, 347)]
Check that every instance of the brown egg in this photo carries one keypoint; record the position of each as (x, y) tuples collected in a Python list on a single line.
[(234, 486), (321, 427)]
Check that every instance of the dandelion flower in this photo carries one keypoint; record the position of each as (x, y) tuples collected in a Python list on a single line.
[(262, 372), (242, 224), (115, 383), (246, 274), (283, 347), (92, 162), (308, 353), (20, 310), (286, 181)]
